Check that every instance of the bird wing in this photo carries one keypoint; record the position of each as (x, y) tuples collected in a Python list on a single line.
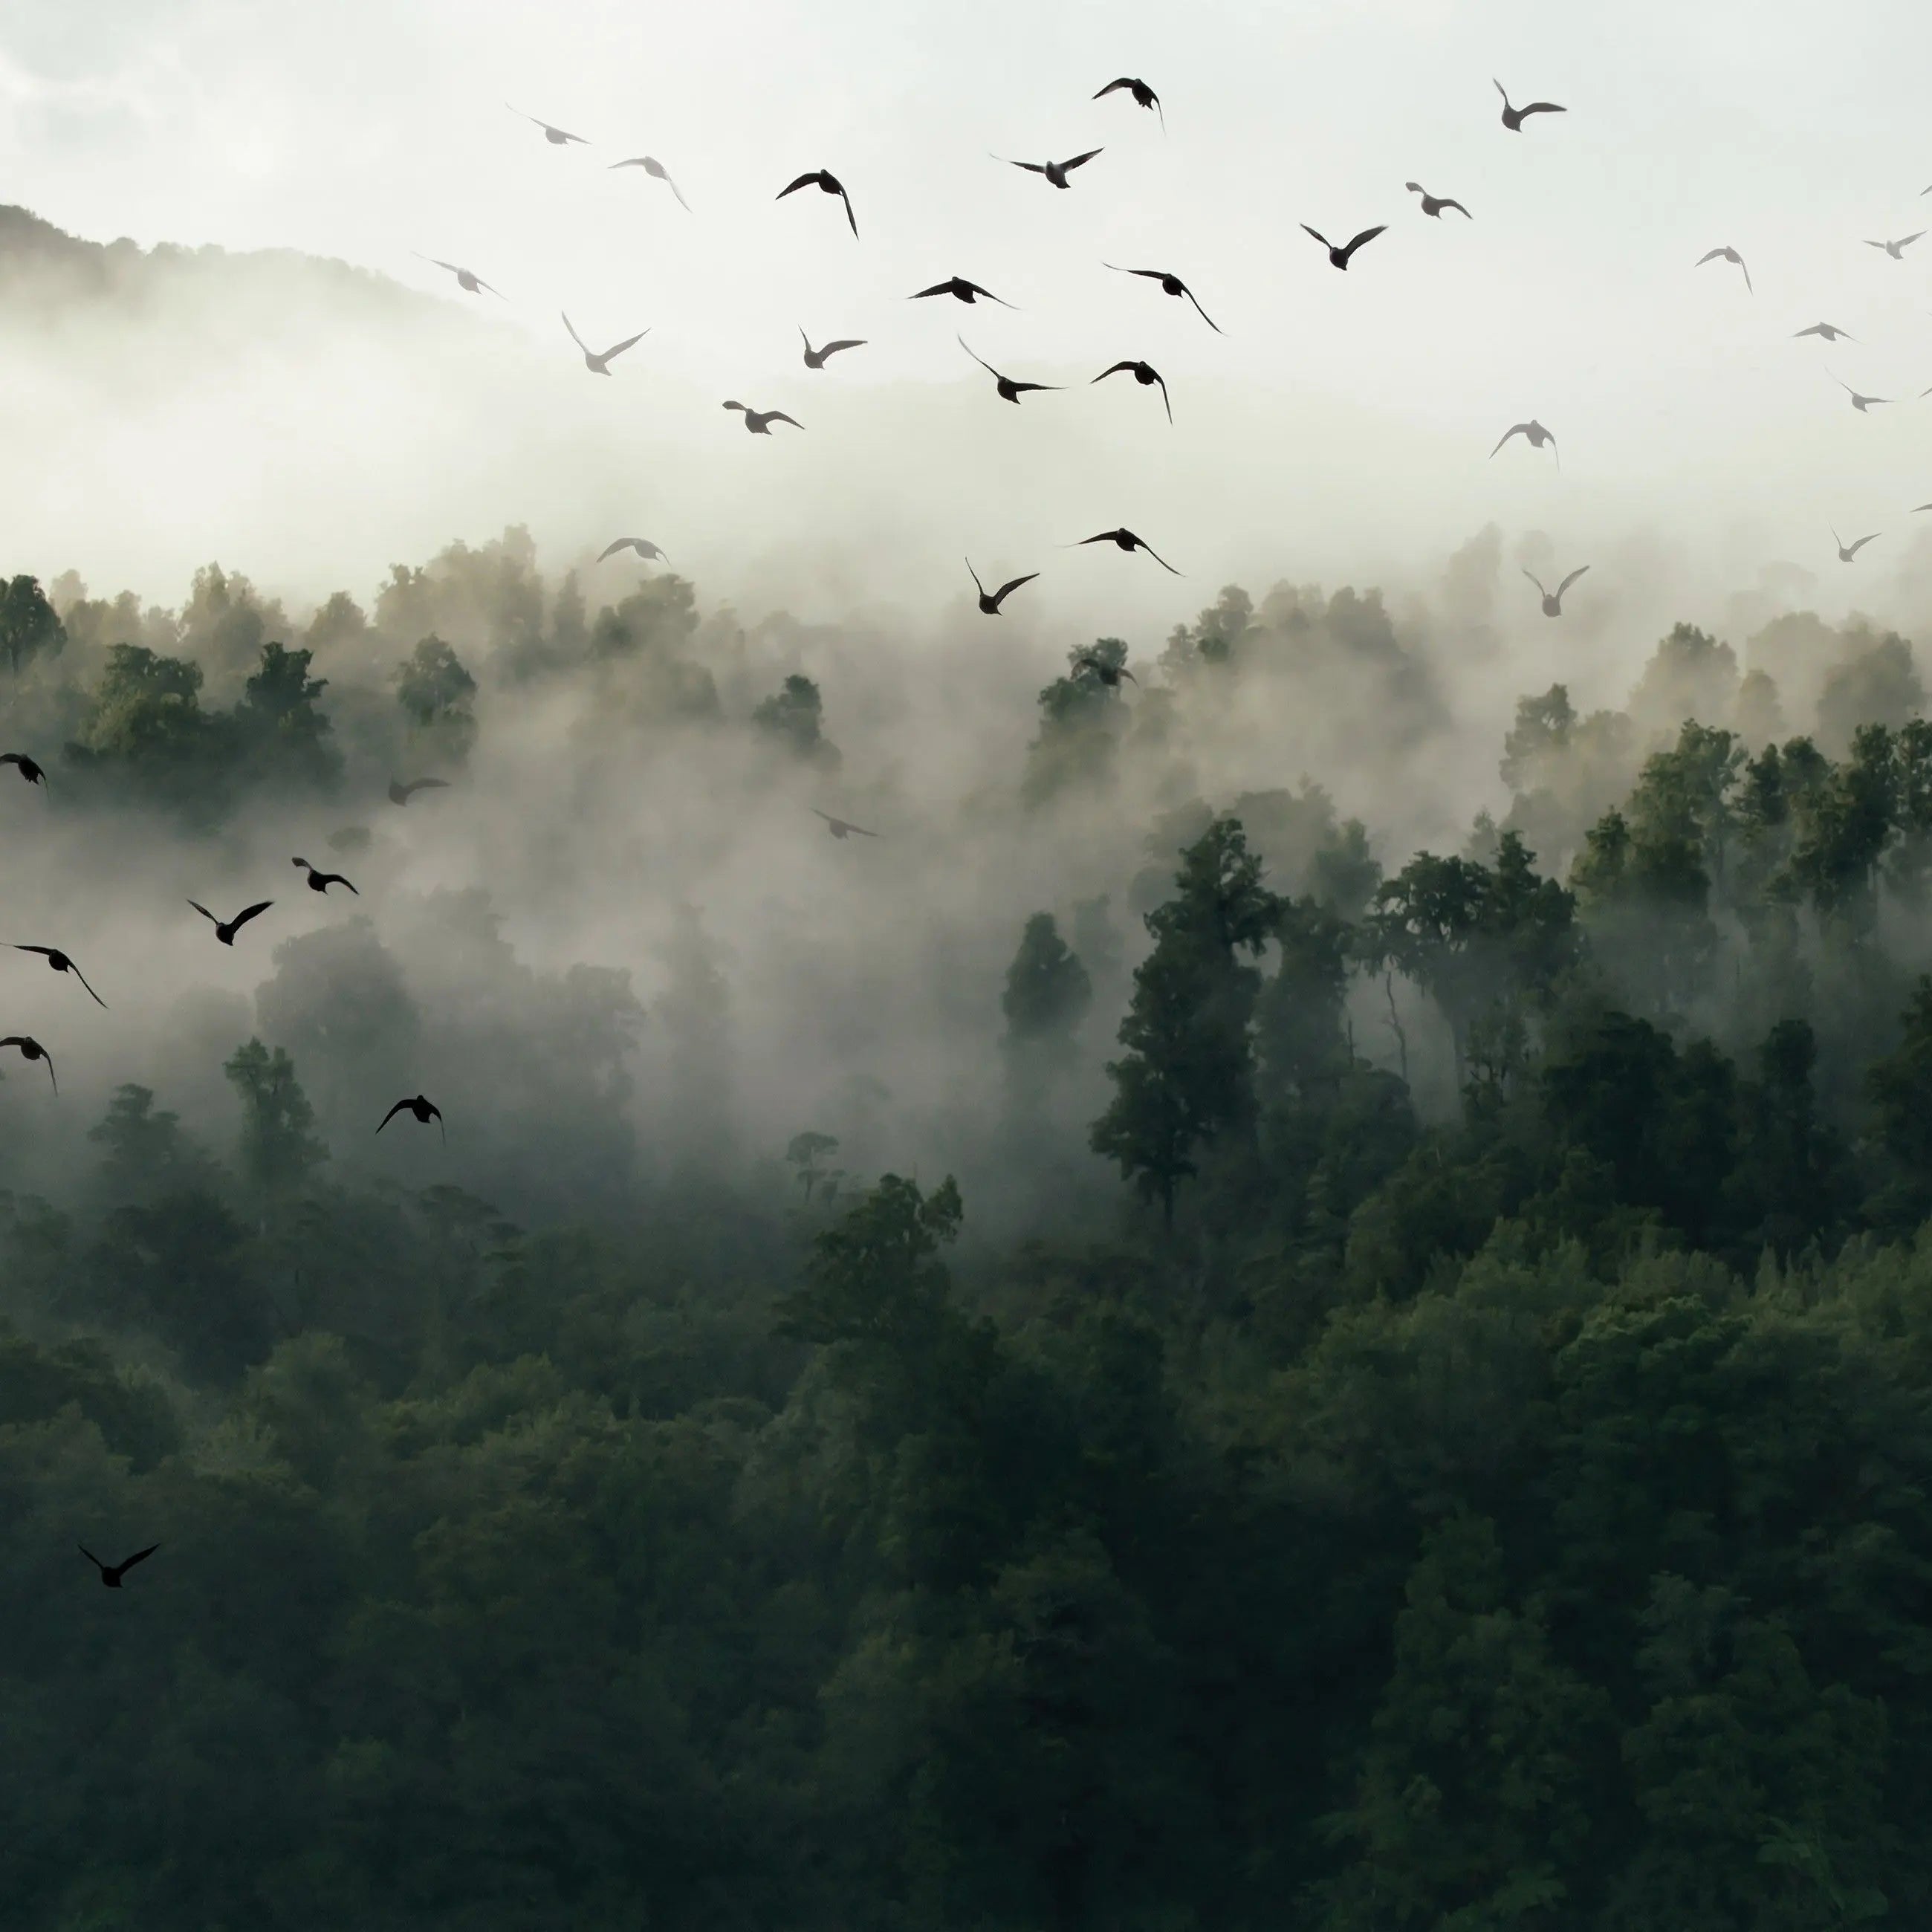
[(1152, 275), (90, 1555), (1114, 86), (1021, 387), (1498, 86), (611, 550), (629, 342), (1081, 161), (495, 291), (989, 295), (242, 918), (1710, 256), (975, 575), (196, 903), (1863, 541), (91, 994), (1459, 208), (140, 1556), (1748, 289), (1538, 582), (390, 1115), (980, 359), (424, 784), (844, 342), (1571, 578), (1105, 536), (803, 180), (1514, 429), (679, 192), (1542, 107), (1156, 556), (1199, 311), (1907, 241), (337, 879), (11, 758), (850, 216), (46, 952), (1367, 235), (1031, 167), (1114, 371), (937, 289), (1921, 506), (1166, 402), (779, 415), (1006, 589), (860, 830), (1317, 234), (574, 336)]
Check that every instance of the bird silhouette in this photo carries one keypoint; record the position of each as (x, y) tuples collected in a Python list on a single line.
[(1859, 402), (1847, 551), (1339, 257), (990, 604), (400, 793), (655, 169), (111, 1574), (644, 548), (1514, 117), (61, 963), (1552, 600), (961, 290), (1825, 329), (1917, 507), (466, 281), (1009, 390), (759, 421), (423, 1108), (1896, 250), (1110, 675), (814, 358), (556, 136), (600, 365), (320, 881), (1434, 204), (1728, 255), (1143, 96), (829, 183), (226, 930), (1056, 171), (1126, 540), (30, 772), (840, 828), (1144, 374), (1536, 436), (1170, 285), (32, 1049)]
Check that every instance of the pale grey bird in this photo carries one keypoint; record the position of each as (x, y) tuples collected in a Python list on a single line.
[(1056, 171), (556, 136), (1338, 257), (814, 358), (1728, 255), (1825, 330), (1847, 551), (465, 279), (644, 548), (1552, 600), (1434, 204), (1514, 117), (1896, 250), (600, 364), (400, 793), (1859, 402), (655, 169), (841, 828), (1143, 96), (1534, 434), (759, 421)]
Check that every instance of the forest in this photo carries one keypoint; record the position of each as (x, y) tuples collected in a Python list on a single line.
[(1176, 1350)]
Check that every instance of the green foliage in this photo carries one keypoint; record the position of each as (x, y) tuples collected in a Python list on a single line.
[(30, 628), (277, 1150), (794, 716), (435, 692)]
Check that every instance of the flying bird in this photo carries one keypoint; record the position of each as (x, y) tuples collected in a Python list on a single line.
[(1143, 96), (61, 963), (644, 548), (759, 421), (600, 365), (466, 281), (814, 358), (1514, 117), (1916, 508), (30, 772), (1056, 171), (1728, 255), (1144, 374), (1110, 675), (1009, 390), (424, 1109), (1434, 204), (1552, 600), (1896, 250), (1339, 257), (1535, 434), (556, 136), (1170, 285), (840, 827), (1825, 329), (1126, 540), (111, 1574), (225, 930), (827, 183), (320, 881), (32, 1049), (961, 289), (655, 169), (990, 604), (1847, 551), (400, 793), (1859, 402)]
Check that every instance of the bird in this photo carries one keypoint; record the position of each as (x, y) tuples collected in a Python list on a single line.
[(1552, 600), (655, 169), (400, 793), (1110, 675), (1917, 507), (468, 282), (961, 289), (320, 881), (814, 358), (1847, 551), (32, 1049), (823, 179), (111, 1574), (226, 930), (1170, 285), (1536, 435), (840, 827), (759, 421), (424, 1109), (30, 772), (1826, 330), (1514, 117), (1339, 257), (1056, 171), (556, 136), (61, 963), (600, 365), (1434, 204), (1728, 255), (1143, 96), (1126, 541), (1144, 374), (644, 548), (1009, 390), (990, 604), (1859, 402), (1896, 250)]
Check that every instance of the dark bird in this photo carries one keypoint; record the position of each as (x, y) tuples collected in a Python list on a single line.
[(644, 548), (1536, 435), (827, 183), (1056, 171), (1896, 250), (759, 421), (990, 604), (400, 793), (61, 963), (1126, 541), (1552, 600), (1847, 551), (1110, 675), (1514, 117), (32, 1049), (961, 289), (556, 136), (655, 169), (1170, 285), (111, 1574), (226, 931), (1339, 257), (840, 827), (320, 881), (600, 365), (1009, 390), (1728, 255), (1434, 204), (814, 358), (1859, 402), (1825, 329), (424, 1109), (1144, 374), (30, 772), (465, 280), (1143, 96)]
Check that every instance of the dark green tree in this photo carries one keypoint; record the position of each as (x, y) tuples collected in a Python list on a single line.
[(278, 1150), (794, 716), (30, 627)]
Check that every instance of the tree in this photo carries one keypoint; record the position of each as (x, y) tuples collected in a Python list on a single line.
[(805, 1152), (29, 626), (434, 691), (278, 1150), (1080, 717), (1047, 990), (280, 721), (144, 1152), (793, 714)]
